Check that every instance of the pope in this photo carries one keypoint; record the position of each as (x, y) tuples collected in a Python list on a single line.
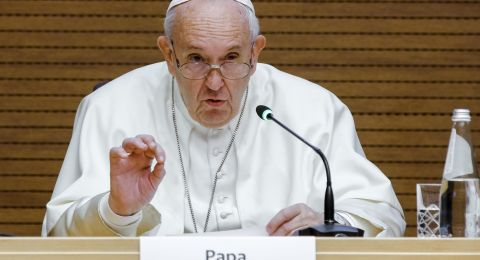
[(175, 147)]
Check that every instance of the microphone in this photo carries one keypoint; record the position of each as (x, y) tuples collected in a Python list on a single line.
[(330, 226)]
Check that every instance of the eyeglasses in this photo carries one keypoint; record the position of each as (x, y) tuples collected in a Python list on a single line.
[(200, 70)]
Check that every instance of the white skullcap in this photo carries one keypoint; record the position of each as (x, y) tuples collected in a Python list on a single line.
[(174, 3)]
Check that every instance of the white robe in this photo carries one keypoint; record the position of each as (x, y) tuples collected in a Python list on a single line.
[(267, 169)]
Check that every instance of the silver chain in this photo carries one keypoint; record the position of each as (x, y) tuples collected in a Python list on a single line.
[(214, 186)]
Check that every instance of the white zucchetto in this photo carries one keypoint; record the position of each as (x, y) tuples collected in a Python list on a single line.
[(174, 3)]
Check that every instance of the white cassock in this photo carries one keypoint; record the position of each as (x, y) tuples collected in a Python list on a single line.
[(266, 170)]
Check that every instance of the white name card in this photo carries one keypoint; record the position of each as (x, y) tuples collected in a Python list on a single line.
[(227, 248)]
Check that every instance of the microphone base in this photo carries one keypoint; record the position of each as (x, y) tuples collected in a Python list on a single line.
[(331, 230)]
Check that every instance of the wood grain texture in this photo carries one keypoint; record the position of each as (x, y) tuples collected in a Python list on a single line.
[(325, 248), (58, 40), (400, 66), (313, 57), (263, 8)]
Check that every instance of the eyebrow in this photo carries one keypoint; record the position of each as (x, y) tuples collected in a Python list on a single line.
[(191, 47)]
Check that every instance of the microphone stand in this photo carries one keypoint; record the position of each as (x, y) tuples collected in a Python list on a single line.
[(330, 227)]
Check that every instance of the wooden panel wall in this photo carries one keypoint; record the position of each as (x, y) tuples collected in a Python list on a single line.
[(400, 65)]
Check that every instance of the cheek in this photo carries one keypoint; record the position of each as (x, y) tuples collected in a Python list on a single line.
[(239, 92), (190, 92)]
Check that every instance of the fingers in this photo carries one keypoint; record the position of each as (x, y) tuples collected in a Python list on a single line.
[(293, 218), (118, 153), (134, 145), (154, 150), (282, 217), (146, 145), (157, 175)]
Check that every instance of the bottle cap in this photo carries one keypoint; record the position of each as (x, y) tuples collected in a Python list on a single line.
[(461, 114)]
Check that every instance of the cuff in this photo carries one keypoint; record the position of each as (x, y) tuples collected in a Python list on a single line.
[(344, 218), (123, 225)]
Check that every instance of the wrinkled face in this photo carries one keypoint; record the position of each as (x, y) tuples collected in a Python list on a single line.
[(214, 34)]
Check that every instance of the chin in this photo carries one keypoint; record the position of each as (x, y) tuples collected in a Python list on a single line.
[(214, 123), (214, 117), (214, 120)]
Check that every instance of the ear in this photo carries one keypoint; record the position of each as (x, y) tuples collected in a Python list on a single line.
[(260, 43), (163, 44)]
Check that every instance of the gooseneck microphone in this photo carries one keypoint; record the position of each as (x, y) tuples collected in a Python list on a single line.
[(266, 113), (330, 226)]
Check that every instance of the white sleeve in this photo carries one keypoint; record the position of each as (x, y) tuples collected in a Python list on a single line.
[(122, 225), (75, 208), (364, 196)]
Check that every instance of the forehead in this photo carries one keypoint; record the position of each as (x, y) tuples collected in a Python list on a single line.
[(199, 23)]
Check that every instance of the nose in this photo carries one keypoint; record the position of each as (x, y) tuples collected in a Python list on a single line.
[(214, 80)]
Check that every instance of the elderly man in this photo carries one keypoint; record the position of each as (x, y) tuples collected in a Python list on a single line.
[(194, 157)]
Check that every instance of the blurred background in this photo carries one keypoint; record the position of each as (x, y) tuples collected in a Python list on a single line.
[(401, 66)]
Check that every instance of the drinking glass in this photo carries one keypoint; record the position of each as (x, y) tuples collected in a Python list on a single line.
[(428, 210)]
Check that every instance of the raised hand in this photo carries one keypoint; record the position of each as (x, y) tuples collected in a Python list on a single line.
[(132, 182), (293, 218)]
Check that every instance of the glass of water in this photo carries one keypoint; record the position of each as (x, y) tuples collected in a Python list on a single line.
[(428, 210)]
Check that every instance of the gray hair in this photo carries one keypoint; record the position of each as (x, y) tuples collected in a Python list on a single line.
[(249, 16)]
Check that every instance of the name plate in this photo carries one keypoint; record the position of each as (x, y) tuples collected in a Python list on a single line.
[(227, 248)]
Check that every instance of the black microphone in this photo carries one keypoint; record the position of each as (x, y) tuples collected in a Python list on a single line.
[(330, 226)]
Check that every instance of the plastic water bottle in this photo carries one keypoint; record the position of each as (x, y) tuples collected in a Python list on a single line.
[(459, 194)]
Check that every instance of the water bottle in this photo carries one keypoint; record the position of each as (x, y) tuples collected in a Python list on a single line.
[(459, 193)]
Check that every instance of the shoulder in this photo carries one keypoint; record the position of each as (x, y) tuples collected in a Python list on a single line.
[(289, 93), (139, 81), (138, 86)]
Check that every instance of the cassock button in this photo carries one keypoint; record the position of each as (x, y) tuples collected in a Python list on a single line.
[(220, 174), (221, 199), (216, 152), (225, 214)]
